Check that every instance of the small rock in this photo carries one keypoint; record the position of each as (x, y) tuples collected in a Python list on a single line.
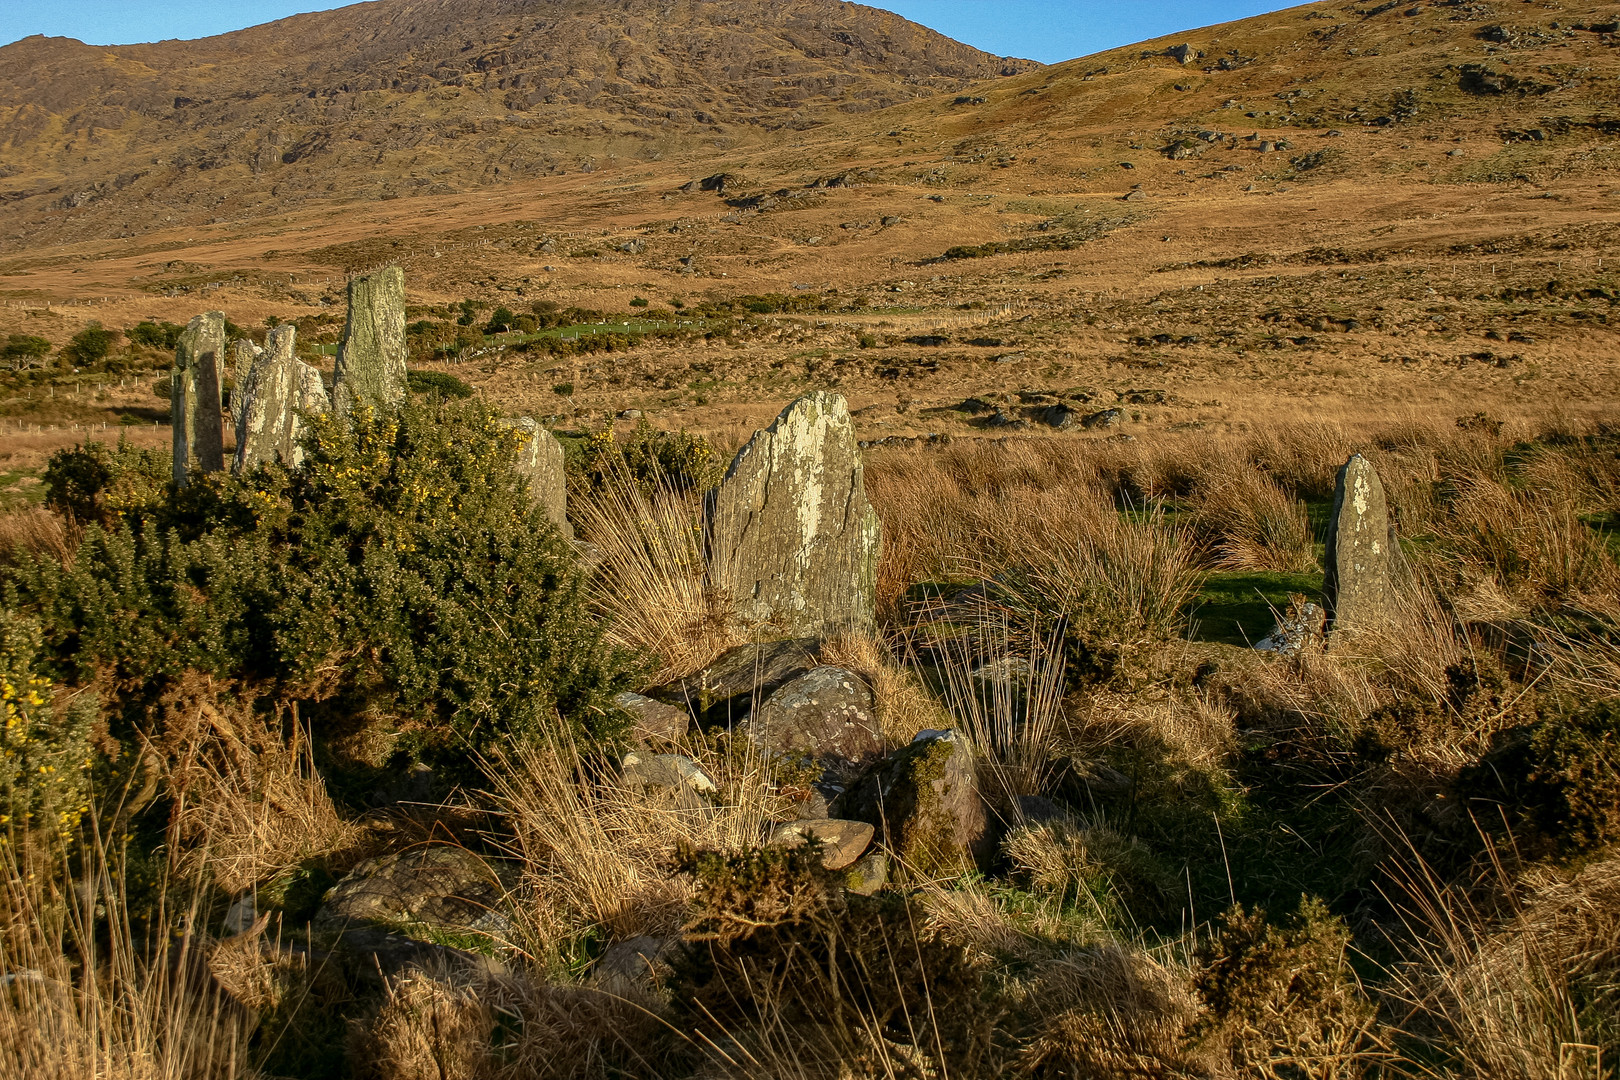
[(868, 875), (675, 772), (639, 963), (242, 914), (1108, 418), (1297, 628), (437, 885), (925, 799), (842, 842), (725, 692), (655, 719), (630, 414)]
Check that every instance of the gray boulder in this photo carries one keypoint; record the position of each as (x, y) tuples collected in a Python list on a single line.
[(868, 875), (438, 885), (793, 541), (826, 712), (639, 963), (540, 462), (726, 691), (194, 397), (842, 842), (924, 801), (1359, 552), (668, 772), (278, 392), (655, 720), (1108, 418), (371, 358), (1297, 629)]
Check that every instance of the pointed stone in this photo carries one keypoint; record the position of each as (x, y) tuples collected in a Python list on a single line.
[(194, 397), (371, 360), (540, 462), (278, 392), (793, 541), (1360, 552)]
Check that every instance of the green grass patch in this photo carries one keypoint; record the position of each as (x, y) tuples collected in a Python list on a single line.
[(1238, 608)]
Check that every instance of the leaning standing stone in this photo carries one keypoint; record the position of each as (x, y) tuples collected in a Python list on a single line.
[(278, 392), (540, 462), (1359, 552), (793, 541), (194, 397), (371, 360)]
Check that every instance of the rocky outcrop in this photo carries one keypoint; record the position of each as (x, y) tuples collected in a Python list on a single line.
[(727, 691), (540, 462), (924, 801), (278, 392), (793, 541), (1360, 553), (195, 395), (370, 367)]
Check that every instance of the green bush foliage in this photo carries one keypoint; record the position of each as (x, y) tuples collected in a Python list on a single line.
[(45, 749), (423, 382), (398, 572), (1555, 780), (653, 458), (91, 344), (156, 335), (24, 350), (92, 484)]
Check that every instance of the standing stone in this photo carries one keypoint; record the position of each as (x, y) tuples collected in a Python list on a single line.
[(371, 360), (194, 397), (243, 353), (541, 463), (278, 391), (793, 542), (1359, 551)]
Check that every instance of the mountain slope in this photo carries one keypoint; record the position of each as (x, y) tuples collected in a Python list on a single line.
[(404, 96)]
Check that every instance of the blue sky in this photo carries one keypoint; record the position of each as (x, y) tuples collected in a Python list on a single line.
[(1047, 30)]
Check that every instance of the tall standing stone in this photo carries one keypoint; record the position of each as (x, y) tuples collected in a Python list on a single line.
[(194, 397), (371, 360), (1359, 552), (793, 542), (243, 353), (540, 461), (278, 391)]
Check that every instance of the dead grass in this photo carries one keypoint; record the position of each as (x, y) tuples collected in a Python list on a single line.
[(37, 531)]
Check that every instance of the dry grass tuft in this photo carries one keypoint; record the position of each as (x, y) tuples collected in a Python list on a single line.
[(432, 1026), (34, 532), (248, 803)]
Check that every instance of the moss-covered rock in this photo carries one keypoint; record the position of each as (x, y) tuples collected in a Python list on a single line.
[(924, 801)]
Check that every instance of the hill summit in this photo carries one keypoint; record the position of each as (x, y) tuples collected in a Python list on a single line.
[(411, 96)]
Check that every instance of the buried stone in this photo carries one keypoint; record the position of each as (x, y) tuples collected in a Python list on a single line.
[(370, 367), (1360, 552), (194, 397), (793, 541), (278, 392)]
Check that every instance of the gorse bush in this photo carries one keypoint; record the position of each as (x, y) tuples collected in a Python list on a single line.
[(424, 382), (398, 572), (45, 750), (92, 484), (667, 460)]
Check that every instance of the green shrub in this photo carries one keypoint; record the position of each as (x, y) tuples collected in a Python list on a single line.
[(423, 382), (397, 573), (675, 460), (639, 301), (1556, 780), (500, 321), (24, 350), (1280, 992), (91, 483), (156, 335), (91, 344), (45, 749)]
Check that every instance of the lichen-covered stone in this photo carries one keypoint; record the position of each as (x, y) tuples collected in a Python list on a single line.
[(1359, 552), (726, 692), (655, 720), (278, 391), (842, 842), (438, 885), (194, 396), (243, 353), (793, 541), (371, 359), (828, 712), (924, 800), (540, 462)]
